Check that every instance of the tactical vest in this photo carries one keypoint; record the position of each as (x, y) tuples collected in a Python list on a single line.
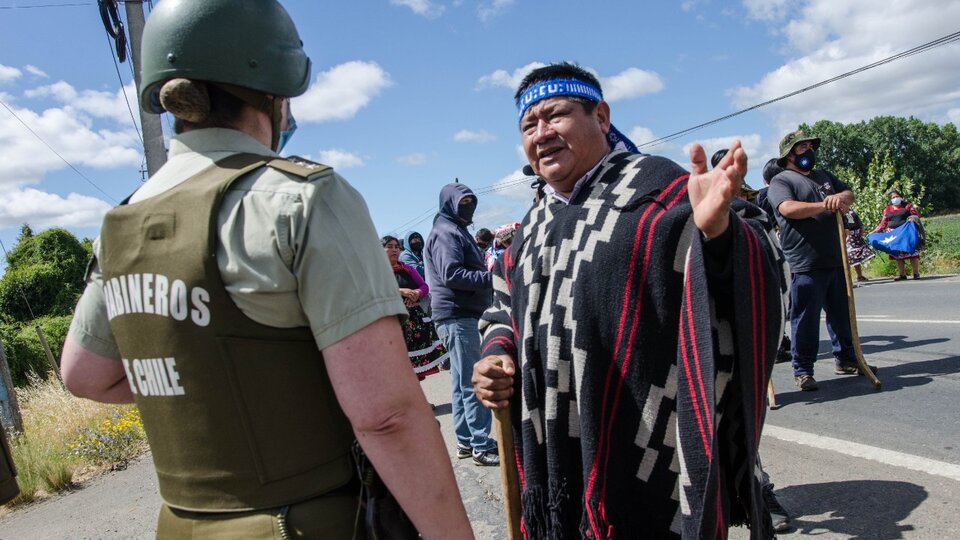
[(239, 415)]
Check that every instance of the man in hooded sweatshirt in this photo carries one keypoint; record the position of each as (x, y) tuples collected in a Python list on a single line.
[(461, 289)]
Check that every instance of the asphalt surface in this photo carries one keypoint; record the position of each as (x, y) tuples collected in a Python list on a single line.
[(847, 461)]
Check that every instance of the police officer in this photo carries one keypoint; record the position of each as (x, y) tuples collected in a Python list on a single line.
[(222, 301)]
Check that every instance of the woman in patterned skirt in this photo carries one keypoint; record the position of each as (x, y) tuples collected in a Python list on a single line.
[(858, 250), (425, 349)]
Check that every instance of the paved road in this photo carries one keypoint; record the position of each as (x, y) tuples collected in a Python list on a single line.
[(847, 461)]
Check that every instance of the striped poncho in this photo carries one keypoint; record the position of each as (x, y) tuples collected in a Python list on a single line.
[(642, 361)]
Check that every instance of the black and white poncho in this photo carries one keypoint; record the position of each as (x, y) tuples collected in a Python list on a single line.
[(640, 395)]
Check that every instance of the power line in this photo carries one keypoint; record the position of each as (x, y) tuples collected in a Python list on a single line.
[(72, 4), (949, 38), (39, 138), (910, 52), (123, 91)]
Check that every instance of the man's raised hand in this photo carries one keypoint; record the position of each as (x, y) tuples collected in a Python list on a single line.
[(711, 192)]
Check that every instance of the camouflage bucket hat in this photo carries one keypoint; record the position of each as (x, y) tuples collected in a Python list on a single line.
[(792, 139)]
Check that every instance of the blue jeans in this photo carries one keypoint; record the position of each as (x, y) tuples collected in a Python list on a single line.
[(810, 293), (471, 420)]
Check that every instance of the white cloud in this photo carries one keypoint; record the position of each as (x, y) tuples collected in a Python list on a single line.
[(630, 83), (413, 160), (641, 135), (766, 10), (488, 10), (9, 74), (97, 104), (35, 71), (521, 154), (340, 92), (25, 160), (424, 8), (43, 210), (340, 159), (503, 78), (465, 135), (752, 144), (953, 115), (514, 186), (831, 37)]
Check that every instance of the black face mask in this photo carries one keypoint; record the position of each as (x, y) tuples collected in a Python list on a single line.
[(416, 246), (806, 160), (465, 212)]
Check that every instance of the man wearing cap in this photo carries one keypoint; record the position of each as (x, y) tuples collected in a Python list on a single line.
[(634, 320), (805, 200), (223, 302)]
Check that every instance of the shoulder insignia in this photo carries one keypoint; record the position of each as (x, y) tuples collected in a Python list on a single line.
[(298, 166)]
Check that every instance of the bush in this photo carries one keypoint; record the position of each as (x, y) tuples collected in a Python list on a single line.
[(25, 354), (44, 275), (113, 441)]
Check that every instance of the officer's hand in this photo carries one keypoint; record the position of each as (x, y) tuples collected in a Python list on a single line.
[(493, 381), (711, 192)]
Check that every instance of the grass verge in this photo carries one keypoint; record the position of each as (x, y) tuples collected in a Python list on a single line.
[(941, 255), (67, 439)]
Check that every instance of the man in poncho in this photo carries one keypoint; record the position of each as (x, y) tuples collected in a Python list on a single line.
[(640, 315)]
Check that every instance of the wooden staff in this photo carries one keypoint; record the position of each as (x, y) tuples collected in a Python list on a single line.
[(861, 362), (771, 396), (509, 479)]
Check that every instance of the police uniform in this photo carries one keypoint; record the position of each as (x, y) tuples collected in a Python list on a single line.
[(217, 286)]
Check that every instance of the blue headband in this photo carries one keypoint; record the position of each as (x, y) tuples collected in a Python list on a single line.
[(573, 88)]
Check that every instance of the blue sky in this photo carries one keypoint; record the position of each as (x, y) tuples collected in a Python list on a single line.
[(409, 94)]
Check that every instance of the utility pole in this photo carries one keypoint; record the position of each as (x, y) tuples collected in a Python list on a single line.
[(153, 147)]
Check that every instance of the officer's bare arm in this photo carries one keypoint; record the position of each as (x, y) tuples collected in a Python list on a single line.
[(375, 385), (89, 375)]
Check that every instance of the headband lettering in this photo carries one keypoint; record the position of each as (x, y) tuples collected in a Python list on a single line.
[(571, 87), (556, 88)]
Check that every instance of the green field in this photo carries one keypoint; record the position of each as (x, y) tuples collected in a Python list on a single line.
[(947, 228)]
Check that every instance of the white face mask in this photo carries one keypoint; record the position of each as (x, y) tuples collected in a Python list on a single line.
[(896, 201)]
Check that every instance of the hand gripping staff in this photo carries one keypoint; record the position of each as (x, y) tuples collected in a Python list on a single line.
[(861, 362), (508, 471)]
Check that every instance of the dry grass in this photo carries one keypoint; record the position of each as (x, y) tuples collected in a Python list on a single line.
[(56, 424)]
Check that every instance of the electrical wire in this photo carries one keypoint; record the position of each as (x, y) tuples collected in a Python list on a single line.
[(950, 38), (945, 40), (39, 138), (72, 4), (123, 91)]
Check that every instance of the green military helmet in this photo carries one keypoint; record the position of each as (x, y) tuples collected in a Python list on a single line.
[(248, 43)]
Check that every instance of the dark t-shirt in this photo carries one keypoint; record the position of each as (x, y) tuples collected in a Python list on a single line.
[(812, 243)]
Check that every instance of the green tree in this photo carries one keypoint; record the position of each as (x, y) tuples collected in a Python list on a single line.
[(926, 153), (873, 190), (41, 286), (44, 275)]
